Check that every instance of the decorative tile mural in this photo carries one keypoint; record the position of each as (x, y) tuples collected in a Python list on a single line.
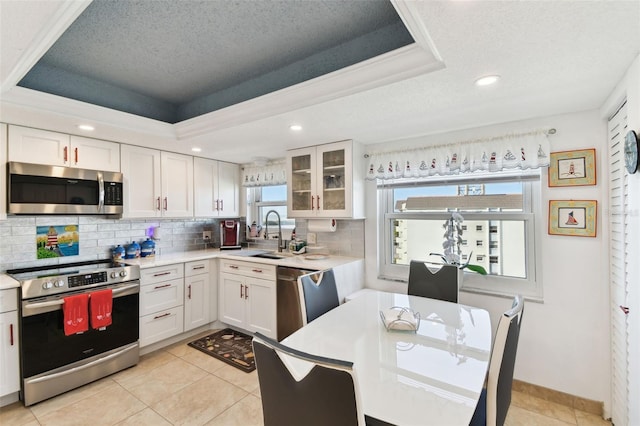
[(57, 241)]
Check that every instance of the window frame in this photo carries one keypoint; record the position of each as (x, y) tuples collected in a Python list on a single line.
[(472, 282), (254, 203)]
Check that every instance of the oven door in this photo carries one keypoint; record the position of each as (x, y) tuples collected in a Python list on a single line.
[(44, 346)]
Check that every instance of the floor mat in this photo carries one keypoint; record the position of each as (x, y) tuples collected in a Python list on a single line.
[(229, 346)]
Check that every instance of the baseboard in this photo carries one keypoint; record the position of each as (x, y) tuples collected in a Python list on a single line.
[(582, 404)]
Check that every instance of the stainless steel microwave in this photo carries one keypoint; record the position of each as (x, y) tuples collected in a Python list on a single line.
[(40, 189)]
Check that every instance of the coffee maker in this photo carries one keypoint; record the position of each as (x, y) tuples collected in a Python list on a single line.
[(230, 234)]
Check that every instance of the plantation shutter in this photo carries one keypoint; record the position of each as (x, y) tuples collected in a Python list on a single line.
[(619, 239)]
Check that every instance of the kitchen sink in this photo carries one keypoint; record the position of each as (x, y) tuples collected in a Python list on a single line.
[(269, 256), (263, 254)]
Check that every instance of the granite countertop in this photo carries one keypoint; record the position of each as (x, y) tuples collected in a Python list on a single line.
[(293, 261), (6, 282)]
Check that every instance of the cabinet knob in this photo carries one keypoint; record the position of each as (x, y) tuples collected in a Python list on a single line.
[(246, 292), (76, 154), (241, 291)]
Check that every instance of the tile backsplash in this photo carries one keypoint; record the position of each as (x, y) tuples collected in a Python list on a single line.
[(99, 234)]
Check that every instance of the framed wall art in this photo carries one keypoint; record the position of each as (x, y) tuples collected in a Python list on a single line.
[(575, 218), (572, 168)]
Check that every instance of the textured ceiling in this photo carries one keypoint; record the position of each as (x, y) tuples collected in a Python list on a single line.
[(173, 60), (555, 58)]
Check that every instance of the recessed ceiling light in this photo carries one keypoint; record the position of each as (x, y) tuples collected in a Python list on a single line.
[(86, 127), (487, 80), (295, 127), (196, 149)]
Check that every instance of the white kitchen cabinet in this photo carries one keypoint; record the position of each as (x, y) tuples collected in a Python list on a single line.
[(38, 146), (161, 303), (325, 181), (3, 174), (217, 188), (248, 296), (9, 354), (197, 285), (156, 183)]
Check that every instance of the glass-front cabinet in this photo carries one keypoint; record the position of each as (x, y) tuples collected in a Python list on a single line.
[(320, 181)]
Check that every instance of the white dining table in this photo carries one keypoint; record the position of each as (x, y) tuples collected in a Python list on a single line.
[(431, 377)]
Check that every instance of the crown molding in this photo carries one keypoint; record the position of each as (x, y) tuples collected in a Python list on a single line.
[(48, 34), (391, 67), (69, 112)]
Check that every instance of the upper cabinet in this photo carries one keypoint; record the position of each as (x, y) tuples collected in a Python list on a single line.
[(27, 145), (156, 183), (325, 181), (217, 188)]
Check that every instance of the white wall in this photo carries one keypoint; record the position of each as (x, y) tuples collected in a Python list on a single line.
[(564, 343)]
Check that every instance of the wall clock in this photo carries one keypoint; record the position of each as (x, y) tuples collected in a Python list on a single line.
[(631, 152)]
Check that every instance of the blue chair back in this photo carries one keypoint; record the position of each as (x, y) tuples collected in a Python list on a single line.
[(326, 395), (441, 284), (318, 294)]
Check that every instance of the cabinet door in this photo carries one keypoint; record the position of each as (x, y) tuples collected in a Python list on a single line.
[(94, 154), (301, 178), (141, 174), (334, 171), (260, 296), (205, 181), (28, 145), (3, 174), (228, 189), (232, 304), (177, 185), (196, 301), (9, 355)]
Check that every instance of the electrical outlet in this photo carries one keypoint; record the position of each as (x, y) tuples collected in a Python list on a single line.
[(311, 238), (206, 235)]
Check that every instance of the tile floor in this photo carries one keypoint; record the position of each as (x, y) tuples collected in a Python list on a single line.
[(183, 386)]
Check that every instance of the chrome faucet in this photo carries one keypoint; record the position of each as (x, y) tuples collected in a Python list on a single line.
[(266, 228)]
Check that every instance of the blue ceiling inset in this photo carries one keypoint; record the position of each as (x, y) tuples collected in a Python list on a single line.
[(174, 60)]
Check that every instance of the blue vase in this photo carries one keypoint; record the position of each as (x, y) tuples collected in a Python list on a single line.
[(118, 253), (133, 250), (147, 248)]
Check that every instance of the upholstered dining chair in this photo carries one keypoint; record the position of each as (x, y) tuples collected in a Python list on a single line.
[(441, 284), (318, 294), (495, 399), (326, 395)]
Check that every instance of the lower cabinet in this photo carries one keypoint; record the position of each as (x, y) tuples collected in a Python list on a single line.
[(161, 303), (248, 296), (197, 300), (9, 354)]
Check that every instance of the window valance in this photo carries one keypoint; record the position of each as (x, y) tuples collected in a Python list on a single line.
[(511, 151), (270, 173)]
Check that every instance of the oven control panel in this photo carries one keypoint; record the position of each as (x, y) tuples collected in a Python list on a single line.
[(88, 279), (41, 285)]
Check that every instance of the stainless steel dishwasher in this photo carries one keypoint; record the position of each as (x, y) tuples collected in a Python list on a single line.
[(289, 314)]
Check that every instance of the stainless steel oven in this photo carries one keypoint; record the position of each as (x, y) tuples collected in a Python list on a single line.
[(52, 362)]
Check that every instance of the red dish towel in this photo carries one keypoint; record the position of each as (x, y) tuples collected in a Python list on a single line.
[(101, 304), (76, 314)]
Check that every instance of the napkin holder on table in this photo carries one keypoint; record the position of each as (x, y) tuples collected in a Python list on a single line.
[(398, 318)]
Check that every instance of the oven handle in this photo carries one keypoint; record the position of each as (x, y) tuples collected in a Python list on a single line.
[(61, 301)]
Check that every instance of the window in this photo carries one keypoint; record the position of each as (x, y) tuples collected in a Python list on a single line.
[(260, 200), (412, 215)]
